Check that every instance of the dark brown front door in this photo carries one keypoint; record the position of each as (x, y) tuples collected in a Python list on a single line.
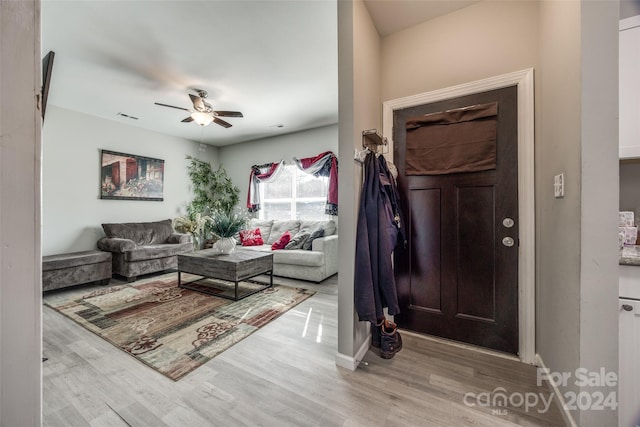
[(456, 278)]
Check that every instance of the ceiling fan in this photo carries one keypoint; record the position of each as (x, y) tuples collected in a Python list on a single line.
[(203, 113)]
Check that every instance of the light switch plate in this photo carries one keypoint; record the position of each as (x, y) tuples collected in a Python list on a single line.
[(558, 186)]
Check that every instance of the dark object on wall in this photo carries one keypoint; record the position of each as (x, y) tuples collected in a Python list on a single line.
[(452, 141), (47, 67), (130, 177)]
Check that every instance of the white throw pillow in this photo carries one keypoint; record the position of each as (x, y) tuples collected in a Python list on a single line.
[(279, 227), (329, 226)]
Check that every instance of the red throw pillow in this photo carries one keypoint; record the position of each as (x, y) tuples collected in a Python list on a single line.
[(282, 241), (251, 237)]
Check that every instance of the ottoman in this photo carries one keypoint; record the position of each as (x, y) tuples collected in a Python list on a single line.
[(60, 271)]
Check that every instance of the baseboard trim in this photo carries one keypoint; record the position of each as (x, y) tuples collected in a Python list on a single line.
[(351, 362), (566, 415)]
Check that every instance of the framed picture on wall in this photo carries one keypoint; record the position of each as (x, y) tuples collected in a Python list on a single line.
[(130, 177)]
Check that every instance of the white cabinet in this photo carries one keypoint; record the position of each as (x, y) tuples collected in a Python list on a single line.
[(629, 360), (629, 87)]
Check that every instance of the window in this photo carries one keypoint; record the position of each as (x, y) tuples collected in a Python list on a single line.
[(294, 195)]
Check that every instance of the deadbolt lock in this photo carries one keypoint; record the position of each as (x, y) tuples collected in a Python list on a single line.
[(508, 241)]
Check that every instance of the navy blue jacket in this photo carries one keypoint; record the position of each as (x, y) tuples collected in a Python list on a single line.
[(378, 230)]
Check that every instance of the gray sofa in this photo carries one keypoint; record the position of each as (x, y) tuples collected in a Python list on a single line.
[(314, 264), (143, 247)]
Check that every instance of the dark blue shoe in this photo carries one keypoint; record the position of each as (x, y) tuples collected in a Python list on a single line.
[(390, 340)]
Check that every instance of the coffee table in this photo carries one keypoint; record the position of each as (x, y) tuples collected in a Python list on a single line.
[(234, 267)]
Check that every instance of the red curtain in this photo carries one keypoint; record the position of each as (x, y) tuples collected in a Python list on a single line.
[(261, 173)]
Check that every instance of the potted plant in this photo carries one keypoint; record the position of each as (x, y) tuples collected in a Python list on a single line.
[(225, 225), (194, 225), (212, 190)]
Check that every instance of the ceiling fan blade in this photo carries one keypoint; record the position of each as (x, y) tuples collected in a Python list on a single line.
[(198, 104), (171, 106), (228, 113), (221, 122), (187, 120)]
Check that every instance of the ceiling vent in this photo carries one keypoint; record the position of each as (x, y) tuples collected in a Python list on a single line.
[(127, 116)]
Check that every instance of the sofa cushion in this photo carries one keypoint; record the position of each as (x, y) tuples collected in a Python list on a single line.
[(299, 257), (179, 238), (142, 233), (115, 244), (75, 259), (157, 251), (251, 237), (298, 240), (282, 241), (264, 225), (261, 248), (318, 232), (328, 225), (279, 227)]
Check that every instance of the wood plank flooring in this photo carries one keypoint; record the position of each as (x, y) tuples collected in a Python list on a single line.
[(283, 375)]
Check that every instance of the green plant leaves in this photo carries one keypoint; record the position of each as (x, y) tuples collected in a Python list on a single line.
[(213, 190)]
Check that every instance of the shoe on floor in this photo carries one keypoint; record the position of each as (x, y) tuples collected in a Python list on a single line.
[(390, 340)]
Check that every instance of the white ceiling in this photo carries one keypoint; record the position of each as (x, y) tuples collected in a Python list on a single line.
[(391, 16), (275, 61)]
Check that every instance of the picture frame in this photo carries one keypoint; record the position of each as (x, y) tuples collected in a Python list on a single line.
[(130, 177)]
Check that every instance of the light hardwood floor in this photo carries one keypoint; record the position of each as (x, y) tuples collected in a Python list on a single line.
[(284, 375)]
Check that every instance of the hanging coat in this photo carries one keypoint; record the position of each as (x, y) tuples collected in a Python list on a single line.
[(376, 236)]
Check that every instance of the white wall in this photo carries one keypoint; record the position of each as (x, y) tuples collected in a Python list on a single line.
[(360, 109), (577, 135), (486, 39), (72, 208), (599, 200), (558, 220), (237, 159), (20, 275)]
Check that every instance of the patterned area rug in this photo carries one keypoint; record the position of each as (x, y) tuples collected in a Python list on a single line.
[(174, 330)]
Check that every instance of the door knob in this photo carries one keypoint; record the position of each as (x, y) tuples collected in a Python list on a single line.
[(508, 241), (627, 307), (508, 222)]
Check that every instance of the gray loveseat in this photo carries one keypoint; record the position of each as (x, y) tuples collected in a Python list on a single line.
[(315, 263), (143, 247)]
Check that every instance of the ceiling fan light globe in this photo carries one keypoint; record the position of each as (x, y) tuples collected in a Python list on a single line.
[(203, 119)]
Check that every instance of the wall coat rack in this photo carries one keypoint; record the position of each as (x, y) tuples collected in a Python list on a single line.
[(375, 142)]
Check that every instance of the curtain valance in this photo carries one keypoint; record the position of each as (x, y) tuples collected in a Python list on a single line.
[(261, 173)]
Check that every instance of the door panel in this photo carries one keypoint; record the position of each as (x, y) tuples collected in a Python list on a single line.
[(455, 278), (425, 204), (476, 276)]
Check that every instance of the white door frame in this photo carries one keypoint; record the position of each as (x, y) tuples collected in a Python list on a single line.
[(526, 197)]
